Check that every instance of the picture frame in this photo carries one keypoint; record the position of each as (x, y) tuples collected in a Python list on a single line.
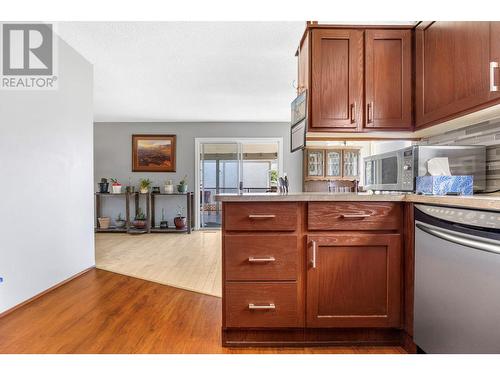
[(298, 136), (154, 152), (299, 108)]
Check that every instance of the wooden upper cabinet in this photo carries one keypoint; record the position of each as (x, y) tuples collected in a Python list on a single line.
[(354, 280), (388, 74), (495, 59), (452, 69), (336, 80)]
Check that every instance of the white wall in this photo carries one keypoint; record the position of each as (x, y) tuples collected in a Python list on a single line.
[(46, 173)]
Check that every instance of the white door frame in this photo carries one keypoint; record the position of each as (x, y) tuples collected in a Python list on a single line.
[(197, 150)]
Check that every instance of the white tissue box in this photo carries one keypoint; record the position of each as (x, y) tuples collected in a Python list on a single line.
[(441, 185)]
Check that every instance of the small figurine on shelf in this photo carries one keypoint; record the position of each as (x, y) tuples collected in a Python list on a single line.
[(144, 185), (169, 187), (183, 185), (103, 186), (116, 186), (129, 188), (140, 219), (180, 221), (163, 222)]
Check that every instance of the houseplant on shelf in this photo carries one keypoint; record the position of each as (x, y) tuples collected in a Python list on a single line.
[(180, 221), (169, 187), (183, 185), (103, 186), (116, 186), (140, 219), (119, 222), (144, 185)]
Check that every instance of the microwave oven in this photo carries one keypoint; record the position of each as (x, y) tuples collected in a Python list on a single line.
[(397, 170)]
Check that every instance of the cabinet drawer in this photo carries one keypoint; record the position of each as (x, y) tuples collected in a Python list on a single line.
[(260, 305), (260, 257), (260, 216), (354, 216)]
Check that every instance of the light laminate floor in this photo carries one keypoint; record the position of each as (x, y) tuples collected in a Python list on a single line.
[(188, 261)]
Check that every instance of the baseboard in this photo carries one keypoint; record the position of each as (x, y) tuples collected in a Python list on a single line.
[(12, 309)]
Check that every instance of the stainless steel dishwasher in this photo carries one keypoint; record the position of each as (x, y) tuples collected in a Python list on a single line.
[(457, 280)]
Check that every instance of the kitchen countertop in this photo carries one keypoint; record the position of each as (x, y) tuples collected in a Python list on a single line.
[(482, 202)]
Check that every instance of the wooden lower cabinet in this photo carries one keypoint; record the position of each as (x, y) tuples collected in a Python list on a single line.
[(354, 280), (319, 273)]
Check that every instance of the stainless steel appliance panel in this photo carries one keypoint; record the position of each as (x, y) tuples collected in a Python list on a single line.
[(457, 281)]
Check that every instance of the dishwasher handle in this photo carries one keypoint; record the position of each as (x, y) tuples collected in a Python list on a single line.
[(460, 238)]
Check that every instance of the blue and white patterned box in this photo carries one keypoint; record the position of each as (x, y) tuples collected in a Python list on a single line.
[(440, 185)]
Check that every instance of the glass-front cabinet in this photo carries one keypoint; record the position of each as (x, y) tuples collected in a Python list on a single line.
[(331, 164)]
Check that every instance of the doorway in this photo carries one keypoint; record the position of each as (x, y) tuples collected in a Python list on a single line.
[(230, 166)]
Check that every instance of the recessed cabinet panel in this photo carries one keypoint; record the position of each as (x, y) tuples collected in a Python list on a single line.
[(337, 79), (354, 280), (388, 79)]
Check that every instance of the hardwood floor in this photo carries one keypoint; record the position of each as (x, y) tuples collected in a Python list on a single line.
[(104, 312), (192, 262)]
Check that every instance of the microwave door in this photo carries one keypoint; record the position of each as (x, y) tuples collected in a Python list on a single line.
[(386, 173)]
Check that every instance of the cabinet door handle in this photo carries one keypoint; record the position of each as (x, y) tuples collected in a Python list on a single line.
[(354, 216), (353, 113), (261, 216), (261, 260), (369, 113), (269, 306), (493, 66), (314, 249)]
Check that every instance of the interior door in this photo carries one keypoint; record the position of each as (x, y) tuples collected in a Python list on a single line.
[(388, 79), (452, 69), (354, 280), (337, 80)]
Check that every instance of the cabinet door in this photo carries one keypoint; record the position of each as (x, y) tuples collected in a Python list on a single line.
[(495, 60), (452, 69), (333, 164), (337, 80), (350, 163), (314, 164), (354, 280), (388, 79)]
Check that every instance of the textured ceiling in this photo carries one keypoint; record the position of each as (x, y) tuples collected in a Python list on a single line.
[(189, 71)]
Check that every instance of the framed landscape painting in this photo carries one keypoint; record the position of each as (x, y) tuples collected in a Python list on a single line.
[(153, 153)]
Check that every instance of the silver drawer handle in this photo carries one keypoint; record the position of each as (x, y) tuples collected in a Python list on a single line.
[(493, 66), (270, 306), (261, 260), (261, 216), (354, 216)]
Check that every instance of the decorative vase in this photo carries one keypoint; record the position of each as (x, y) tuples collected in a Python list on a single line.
[(117, 189), (120, 223), (182, 188), (104, 222), (156, 190), (163, 224), (169, 189), (103, 187), (180, 222)]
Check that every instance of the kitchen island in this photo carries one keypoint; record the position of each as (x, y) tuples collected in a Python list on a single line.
[(322, 269)]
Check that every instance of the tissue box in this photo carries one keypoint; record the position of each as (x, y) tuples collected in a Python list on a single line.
[(441, 185)]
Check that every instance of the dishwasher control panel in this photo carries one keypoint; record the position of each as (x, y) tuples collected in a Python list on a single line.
[(482, 219)]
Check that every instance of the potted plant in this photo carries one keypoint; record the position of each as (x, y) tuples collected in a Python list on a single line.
[(180, 221), (169, 187), (103, 186), (103, 222), (119, 222), (144, 185), (163, 222), (116, 186), (183, 186), (129, 188), (140, 219)]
